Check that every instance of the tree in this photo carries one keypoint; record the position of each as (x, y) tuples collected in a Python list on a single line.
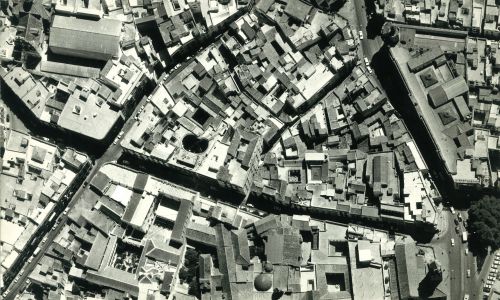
[(194, 288), (192, 258), (484, 221), (183, 274), (277, 294), (390, 34)]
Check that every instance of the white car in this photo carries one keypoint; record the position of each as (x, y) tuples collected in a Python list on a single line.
[(468, 273), (369, 69), (452, 210), (452, 242), (361, 35), (466, 297), (367, 62), (466, 251)]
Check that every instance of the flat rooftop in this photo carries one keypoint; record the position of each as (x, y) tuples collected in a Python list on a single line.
[(446, 146)]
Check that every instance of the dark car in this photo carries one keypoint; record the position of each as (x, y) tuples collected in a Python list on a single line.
[(456, 221), (457, 229)]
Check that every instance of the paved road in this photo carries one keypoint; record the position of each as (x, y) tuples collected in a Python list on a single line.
[(454, 267), (459, 261), (111, 154), (368, 46), (15, 122)]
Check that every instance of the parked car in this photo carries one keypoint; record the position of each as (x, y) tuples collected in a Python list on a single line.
[(452, 210), (452, 242), (468, 273), (361, 35)]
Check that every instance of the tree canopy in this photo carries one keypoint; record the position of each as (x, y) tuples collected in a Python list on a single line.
[(484, 221), (188, 272)]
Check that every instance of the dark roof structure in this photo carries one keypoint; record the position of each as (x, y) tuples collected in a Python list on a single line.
[(406, 264), (298, 10), (131, 207), (99, 182), (71, 36), (380, 169), (241, 249), (448, 91), (424, 60), (97, 252), (183, 216), (34, 7)]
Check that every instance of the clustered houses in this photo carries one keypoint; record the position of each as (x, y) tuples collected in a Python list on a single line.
[(86, 107), (476, 17), (277, 108), (37, 179), (128, 234), (455, 88), (211, 119), (133, 236), (369, 169)]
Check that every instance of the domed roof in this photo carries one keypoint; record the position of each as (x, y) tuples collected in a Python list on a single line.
[(263, 282), (268, 267)]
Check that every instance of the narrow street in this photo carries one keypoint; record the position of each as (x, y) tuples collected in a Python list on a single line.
[(113, 153)]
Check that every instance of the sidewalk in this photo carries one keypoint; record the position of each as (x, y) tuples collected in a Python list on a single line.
[(442, 222)]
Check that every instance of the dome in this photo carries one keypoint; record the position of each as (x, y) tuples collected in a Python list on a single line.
[(263, 282), (268, 267)]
